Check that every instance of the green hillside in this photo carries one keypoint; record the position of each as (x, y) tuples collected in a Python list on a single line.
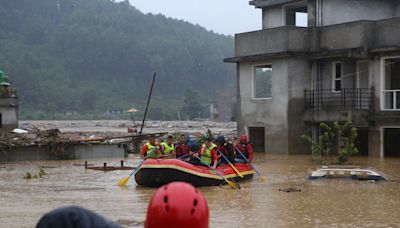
[(89, 56)]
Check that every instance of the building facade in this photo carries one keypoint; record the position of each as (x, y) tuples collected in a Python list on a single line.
[(8, 105), (222, 107), (319, 61)]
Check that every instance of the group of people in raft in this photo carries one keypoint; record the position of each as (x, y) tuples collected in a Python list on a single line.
[(205, 150)]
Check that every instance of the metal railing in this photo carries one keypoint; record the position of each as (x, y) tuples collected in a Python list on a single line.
[(346, 99)]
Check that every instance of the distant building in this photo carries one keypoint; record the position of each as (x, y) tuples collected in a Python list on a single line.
[(8, 105), (222, 107), (319, 61)]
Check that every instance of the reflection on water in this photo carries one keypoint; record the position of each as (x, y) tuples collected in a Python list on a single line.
[(323, 203)]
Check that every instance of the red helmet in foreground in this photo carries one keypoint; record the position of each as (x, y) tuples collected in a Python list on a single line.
[(177, 205)]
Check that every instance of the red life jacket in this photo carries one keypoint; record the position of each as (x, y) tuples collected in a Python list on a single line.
[(242, 147)]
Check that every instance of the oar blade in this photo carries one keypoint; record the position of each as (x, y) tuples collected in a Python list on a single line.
[(123, 181), (262, 178), (233, 184)]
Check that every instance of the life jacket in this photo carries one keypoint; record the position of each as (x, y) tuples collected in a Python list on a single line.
[(167, 148), (206, 154), (151, 149)]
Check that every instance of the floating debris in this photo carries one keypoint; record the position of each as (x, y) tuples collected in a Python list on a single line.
[(77, 189), (108, 168), (28, 176), (129, 222), (41, 173), (290, 190)]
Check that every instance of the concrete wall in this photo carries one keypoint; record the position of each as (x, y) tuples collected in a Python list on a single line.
[(272, 17), (341, 11), (299, 71), (386, 33), (283, 111), (73, 152), (268, 113), (350, 35), (363, 35), (275, 40), (9, 118)]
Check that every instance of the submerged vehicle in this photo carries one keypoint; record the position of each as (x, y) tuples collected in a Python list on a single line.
[(158, 172), (352, 172)]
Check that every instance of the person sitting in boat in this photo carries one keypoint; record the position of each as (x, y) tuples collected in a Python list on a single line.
[(167, 148), (182, 149), (194, 144), (244, 147), (226, 148), (207, 153), (151, 148)]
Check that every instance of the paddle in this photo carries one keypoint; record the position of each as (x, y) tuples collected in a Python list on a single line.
[(183, 156), (230, 183), (233, 167), (261, 177), (125, 180)]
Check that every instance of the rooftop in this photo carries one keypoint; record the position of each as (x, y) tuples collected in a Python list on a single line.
[(268, 3)]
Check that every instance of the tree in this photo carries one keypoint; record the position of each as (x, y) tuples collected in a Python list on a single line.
[(94, 55), (191, 107)]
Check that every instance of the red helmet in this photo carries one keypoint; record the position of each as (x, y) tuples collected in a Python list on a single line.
[(243, 138), (177, 205)]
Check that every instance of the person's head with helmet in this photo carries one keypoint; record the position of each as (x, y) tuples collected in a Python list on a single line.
[(177, 205), (220, 140), (243, 139)]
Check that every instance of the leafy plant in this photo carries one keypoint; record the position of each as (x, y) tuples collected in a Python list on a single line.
[(342, 136)]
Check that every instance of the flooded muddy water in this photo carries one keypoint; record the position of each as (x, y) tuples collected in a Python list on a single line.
[(321, 203)]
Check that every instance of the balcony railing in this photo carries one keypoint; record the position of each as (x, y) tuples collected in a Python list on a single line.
[(391, 99), (346, 99)]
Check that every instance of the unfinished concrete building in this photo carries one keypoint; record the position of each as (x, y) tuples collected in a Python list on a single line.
[(319, 61), (8, 105)]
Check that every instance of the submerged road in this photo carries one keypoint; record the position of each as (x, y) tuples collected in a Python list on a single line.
[(322, 203)]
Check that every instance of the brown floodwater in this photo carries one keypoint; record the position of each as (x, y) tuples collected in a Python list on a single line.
[(321, 203)]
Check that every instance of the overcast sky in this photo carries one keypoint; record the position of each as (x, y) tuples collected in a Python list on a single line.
[(221, 16)]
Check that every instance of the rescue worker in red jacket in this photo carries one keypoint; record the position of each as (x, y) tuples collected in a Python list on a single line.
[(207, 153), (226, 148), (245, 148), (151, 148), (182, 149)]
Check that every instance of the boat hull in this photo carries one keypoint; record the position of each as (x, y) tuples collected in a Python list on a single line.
[(155, 173)]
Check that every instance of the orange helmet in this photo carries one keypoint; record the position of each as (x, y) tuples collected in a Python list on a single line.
[(177, 204)]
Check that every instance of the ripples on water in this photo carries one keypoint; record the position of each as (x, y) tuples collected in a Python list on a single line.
[(323, 203)]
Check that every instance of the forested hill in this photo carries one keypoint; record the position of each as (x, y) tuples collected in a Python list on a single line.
[(88, 56)]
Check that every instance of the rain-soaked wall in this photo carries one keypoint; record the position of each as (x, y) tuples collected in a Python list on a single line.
[(342, 11), (9, 114), (280, 113)]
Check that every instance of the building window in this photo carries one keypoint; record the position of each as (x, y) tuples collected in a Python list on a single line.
[(297, 15), (391, 84), (262, 82), (337, 73)]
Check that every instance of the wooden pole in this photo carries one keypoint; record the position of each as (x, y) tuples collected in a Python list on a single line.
[(148, 102)]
